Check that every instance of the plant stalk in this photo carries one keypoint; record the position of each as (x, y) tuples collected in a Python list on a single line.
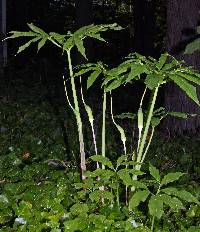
[(78, 117)]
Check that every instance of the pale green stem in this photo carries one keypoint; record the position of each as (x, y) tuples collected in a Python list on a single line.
[(140, 157), (146, 129), (103, 145), (147, 147), (78, 117), (140, 129), (91, 120)]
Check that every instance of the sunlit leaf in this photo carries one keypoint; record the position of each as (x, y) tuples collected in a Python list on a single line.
[(162, 60)]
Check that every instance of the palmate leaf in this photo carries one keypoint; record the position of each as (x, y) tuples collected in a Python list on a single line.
[(188, 88)]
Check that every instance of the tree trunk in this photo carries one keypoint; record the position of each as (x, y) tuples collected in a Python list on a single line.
[(182, 18)]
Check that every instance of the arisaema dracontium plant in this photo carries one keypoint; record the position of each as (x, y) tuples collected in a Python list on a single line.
[(67, 43), (153, 73)]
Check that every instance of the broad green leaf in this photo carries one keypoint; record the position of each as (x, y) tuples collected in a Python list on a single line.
[(91, 79), (79, 44), (153, 80), (99, 194), (42, 43), (79, 208), (104, 160), (178, 114), (162, 60), (193, 46), (154, 172), (174, 203), (37, 29), (140, 195), (26, 45), (171, 177), (78, 224), (187, 196), (189, 89), (156, 207), (183, 194)]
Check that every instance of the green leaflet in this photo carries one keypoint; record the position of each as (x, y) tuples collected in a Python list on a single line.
[(140, 195), (174, 203), (189, 89), (26, 45), (42, 43), (162, 60), (16, 34), (154, 172), (79, 44), (156, 207), (171, 177), (104, 160), (37, 29), (93, 76)]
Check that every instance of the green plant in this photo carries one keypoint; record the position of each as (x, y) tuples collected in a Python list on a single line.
[(153, 73), (194, 45)]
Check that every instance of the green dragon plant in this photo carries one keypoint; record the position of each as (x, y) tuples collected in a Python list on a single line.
[(66, 43), (153, 73)]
